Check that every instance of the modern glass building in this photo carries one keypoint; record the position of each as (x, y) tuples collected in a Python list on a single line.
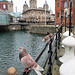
[(4, 17), (6, 7)]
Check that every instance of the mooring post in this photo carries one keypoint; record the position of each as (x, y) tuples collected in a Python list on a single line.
[(11, 71)]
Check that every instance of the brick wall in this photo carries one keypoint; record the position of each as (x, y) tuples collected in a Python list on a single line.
[(8, 5), (61, 9)]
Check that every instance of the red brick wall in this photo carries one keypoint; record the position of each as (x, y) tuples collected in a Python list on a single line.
[(3, 3), (73, 12), (58, 10)]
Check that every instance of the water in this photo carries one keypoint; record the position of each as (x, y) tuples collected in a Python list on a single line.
[(9, 43)]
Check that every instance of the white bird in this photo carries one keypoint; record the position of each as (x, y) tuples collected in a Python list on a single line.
[(28, 61)]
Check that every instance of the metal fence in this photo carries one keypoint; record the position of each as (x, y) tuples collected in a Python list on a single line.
[(54, 45)]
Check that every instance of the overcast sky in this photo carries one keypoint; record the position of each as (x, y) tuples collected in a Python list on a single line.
[(19, 4)]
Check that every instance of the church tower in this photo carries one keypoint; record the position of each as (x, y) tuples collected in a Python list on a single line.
[(25, 6), (33, 4), (46, 4)]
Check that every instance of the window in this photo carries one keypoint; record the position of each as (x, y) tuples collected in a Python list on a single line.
[(70, 0), (4, 6), (57, 14), (65, 4), (32, 13), (58, 5)]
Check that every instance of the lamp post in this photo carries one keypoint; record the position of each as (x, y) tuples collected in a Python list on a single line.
[(70, 18), (45, 12)]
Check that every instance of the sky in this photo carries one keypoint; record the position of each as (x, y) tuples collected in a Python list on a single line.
[(19, 4)]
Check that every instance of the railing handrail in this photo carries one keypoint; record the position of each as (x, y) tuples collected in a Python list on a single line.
[(52, 55), (38, 56)]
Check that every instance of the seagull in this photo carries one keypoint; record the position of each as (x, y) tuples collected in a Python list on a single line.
[(28, 61), (47, 37)]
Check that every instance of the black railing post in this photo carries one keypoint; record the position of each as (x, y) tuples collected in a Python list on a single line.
[(70, 18), (58, 39), (56, 47), (50, 59), (61, 28), (49, 69), (60, 32), (65, 21), (59, 36)]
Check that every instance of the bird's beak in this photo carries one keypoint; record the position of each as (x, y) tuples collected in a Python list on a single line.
[(19, 49)]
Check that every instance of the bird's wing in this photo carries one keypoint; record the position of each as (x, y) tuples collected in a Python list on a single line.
[(26, 61)]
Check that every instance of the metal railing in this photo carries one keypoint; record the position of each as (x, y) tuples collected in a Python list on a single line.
[(54, 44), (53, 47)]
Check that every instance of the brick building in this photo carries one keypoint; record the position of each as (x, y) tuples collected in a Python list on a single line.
[(62, 8), (6, 5)]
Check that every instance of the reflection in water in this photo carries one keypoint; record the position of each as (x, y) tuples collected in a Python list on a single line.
[(9, 43)]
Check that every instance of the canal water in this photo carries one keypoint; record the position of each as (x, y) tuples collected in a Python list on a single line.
[(9, 43)]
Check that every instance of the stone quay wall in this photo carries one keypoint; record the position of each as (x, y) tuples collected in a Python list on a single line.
[(42, 29), (33, 28)]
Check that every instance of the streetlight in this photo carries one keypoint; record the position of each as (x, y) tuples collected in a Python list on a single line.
[(45, 12)]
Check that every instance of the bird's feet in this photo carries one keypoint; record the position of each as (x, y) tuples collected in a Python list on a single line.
[(26, 70), (48, 42)]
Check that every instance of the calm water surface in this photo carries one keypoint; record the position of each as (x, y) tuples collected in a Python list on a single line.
[(9, 43)]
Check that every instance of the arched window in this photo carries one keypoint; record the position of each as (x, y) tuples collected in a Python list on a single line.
[(65, 4), (58, 5), (32, 13), (57, 14)]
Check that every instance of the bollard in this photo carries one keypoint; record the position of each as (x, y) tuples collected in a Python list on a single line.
[(66, 34), (69, 44), (11, 71), (67, 68)]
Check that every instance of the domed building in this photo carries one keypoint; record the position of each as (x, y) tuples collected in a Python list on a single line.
[(34, 14), (46, 4), (25, 6)]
